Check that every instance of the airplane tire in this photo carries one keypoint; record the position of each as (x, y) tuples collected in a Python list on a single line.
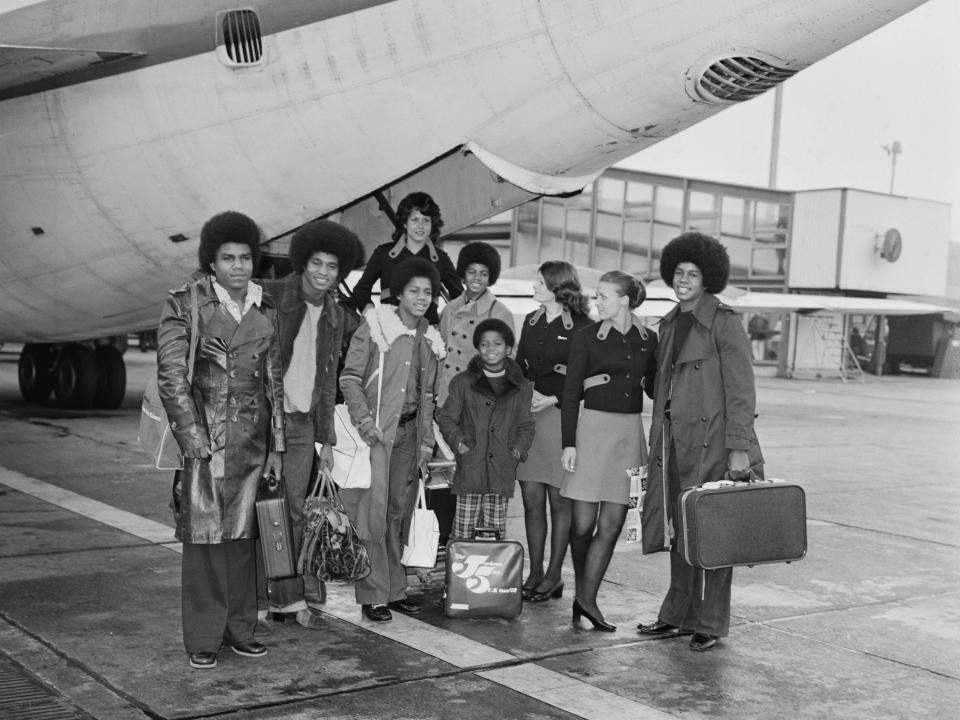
[(34, 373), (111, 377), (75, 378)]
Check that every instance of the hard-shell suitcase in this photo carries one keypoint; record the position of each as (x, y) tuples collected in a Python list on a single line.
[(483, 577), (725, 524), (276, 532)]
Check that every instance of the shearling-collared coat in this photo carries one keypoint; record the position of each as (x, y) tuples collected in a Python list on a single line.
[(491, 425), (380, 329), (235, 403), (333, 324), (458, 320), (712, 395)]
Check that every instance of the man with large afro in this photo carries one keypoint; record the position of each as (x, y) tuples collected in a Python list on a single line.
[(228, 227), (314, 329), (702, 429), (703, 251)]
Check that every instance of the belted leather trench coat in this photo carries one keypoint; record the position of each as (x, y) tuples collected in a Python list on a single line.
[(712, 396), (235, 403)]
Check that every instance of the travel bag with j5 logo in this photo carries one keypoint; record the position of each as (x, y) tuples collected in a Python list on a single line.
[(484, 577)]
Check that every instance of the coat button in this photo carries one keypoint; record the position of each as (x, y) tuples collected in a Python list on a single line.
[(233, 373), (703, 419), (706, 444), (256, 373), (697, 366)]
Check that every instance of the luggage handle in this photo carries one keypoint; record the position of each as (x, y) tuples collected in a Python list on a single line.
[(488, 530)]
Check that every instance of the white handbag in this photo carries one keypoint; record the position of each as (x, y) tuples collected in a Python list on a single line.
[(424, 539), (351, 455)]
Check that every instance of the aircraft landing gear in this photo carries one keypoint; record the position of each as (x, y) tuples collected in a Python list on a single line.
[(35, 373), (79, 376)]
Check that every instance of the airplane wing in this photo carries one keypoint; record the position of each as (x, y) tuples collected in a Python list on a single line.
[(24, 64)]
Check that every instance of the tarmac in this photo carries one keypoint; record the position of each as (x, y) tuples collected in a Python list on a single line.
[(867, 625)]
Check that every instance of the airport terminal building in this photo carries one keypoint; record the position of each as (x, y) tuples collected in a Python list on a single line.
[(869, 282)]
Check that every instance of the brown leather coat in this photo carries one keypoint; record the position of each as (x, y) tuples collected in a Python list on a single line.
[(235, 403)]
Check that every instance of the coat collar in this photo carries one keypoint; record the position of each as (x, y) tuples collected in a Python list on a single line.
[(541, 311), (386, 326), (704, 313), (514, 374), (402, 243), (606, 326), (291, 298)]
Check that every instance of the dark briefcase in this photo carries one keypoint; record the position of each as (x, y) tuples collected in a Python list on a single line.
[(483, 577), (746, 523), (276, 532)]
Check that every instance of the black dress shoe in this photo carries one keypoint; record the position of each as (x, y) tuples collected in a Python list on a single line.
[(661, 629), (250, 649), (405, 605), (701, 642), (376, 613), (203, 660)]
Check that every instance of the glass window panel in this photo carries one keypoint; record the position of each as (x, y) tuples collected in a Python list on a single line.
[(702, 212), (639, 193), (770, 221), (527, 251), (769, 262), (606, 258), (636, 247), (662, 234), (611, 196), (668, 206), (739, 250), (734, 219)]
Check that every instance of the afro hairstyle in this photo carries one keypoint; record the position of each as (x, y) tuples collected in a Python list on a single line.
[(328, 237), (228, 227), (414, 267), (482, 254), (703, 251), (494, 325)]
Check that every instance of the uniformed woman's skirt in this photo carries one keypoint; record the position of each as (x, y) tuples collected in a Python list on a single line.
[(543, 458), (607, 445)]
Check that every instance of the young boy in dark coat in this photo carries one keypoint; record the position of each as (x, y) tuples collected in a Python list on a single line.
[(486, 419)]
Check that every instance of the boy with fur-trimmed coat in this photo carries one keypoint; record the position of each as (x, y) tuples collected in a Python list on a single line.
[(395, 417)]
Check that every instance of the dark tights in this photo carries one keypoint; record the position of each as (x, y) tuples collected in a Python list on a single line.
[(593, 535), (535, 496)]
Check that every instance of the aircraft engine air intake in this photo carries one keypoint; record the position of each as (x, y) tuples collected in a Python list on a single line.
[(736, 77)]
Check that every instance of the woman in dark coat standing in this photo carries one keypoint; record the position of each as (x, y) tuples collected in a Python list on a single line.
[(417, 232), (542, 353), (611, 364), (228, 423), (703, 411)]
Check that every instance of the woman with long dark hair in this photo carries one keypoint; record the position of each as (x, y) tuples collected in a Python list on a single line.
[(542, 353)]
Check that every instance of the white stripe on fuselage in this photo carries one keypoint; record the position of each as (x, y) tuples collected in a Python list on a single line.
[(547, 686)]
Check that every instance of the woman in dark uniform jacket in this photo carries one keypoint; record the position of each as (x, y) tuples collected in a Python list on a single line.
[(542, 354), (418, 225), (611, 364)]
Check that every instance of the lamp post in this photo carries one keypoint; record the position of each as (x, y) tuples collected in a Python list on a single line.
[(893, 149)]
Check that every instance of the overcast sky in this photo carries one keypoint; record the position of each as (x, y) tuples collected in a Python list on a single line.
[(900, 83)]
